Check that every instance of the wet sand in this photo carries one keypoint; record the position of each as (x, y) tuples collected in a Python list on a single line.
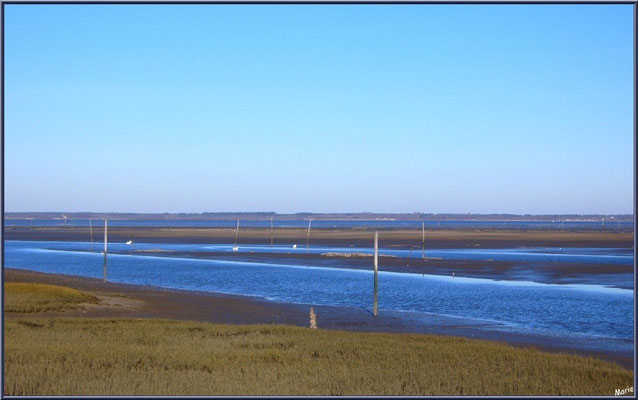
[(418, 265), (400, 238), (133, 301)]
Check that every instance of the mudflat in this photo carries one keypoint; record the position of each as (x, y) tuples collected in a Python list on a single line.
[(440, 239), (616, 275)]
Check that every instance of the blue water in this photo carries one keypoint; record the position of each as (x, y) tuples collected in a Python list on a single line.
[(592, 312), (626, 226), (622, 256)]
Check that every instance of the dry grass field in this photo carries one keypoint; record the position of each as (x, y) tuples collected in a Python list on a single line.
[(81, 356), (35, 297)]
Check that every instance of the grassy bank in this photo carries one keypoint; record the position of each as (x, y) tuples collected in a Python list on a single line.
[(81, 356), (35, 297)]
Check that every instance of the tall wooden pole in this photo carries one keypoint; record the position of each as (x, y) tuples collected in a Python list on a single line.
[(308, 237), (423, 251), (236, 234), (376, 273), (91, 229), (105, 247), (271, 232)]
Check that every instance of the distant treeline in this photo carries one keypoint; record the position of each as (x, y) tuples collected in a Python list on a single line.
[(325, 216)]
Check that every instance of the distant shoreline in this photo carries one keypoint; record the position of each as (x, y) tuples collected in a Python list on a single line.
[(364, 216)]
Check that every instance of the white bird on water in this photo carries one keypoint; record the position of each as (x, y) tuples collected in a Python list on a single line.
[(294, 246), (130, 242)]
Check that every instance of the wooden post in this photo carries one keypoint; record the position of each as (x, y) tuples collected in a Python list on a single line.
[(271, 232), (91, 229), (308, 237), (105, 247), (376, 273), (236, 233), (423, 251)]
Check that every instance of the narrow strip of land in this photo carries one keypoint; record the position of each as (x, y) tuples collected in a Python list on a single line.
[(439, 239)]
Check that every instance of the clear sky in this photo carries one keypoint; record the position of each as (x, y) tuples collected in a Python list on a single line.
[(321, 108)]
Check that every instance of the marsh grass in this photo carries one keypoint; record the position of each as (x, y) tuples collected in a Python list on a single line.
[(35, 297), (81, 356)]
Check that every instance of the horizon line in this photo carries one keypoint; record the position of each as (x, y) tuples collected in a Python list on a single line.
[(317, 213)]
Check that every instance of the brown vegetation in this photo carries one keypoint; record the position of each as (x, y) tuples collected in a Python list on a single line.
[(35, 297), (160, 357)]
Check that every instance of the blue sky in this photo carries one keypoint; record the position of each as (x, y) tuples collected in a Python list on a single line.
[(323, 108)]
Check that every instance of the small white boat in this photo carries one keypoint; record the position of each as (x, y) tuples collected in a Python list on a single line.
[(235, 248), (294, 246), (129, 242)]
